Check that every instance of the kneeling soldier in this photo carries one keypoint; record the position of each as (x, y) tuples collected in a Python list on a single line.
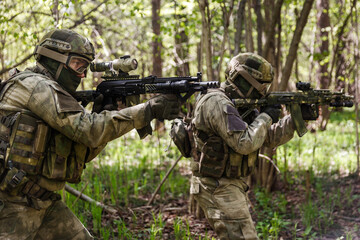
[(47, 137)]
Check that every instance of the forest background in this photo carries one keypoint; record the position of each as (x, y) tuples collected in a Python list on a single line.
[(315, 194)]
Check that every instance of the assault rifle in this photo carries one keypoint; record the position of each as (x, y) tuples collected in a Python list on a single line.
[(296, 101), (119, 85)]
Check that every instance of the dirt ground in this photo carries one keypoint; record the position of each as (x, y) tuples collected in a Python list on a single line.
[(345, 219)]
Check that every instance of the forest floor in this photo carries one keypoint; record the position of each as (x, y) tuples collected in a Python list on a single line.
[(342, 221)]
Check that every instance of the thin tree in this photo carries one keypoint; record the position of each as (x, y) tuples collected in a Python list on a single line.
[(239, 25), (259, 25), (356, 76), (206, 31), (226, 14), (155, 21), (249, 43), (290, 58), (323, 76)]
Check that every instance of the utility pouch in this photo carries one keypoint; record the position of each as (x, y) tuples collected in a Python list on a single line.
[(65, 159), (57, 156), (214, 155), (234, 165), (27, 143), (240, 165), (180, 136)]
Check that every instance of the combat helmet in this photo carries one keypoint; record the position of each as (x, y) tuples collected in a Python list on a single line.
[(249, 75), (66, 46)]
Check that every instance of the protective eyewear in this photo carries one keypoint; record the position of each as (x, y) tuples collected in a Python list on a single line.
[(78, 64)]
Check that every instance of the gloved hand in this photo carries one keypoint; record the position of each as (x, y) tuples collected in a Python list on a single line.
[(99, 107), (273, 111), (309, 111), (164, 106)]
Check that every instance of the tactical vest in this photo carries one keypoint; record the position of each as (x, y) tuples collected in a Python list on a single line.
[(215, 158), (32, 152)]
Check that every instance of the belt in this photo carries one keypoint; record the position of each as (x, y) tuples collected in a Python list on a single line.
[(33, 190)]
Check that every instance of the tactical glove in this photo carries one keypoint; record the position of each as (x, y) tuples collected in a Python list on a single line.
[(165, 106), (99, 105), (309, 111), (273, 111)]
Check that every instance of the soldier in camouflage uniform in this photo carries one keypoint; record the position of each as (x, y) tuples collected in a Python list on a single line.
[(227, 141), (46, 137)]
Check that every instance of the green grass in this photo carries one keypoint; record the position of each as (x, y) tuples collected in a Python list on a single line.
[(127, 172)]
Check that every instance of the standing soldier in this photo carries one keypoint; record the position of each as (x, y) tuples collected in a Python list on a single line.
[(228, 140), (46, 137)]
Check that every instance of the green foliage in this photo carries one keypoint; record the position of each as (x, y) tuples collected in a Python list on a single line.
[(271, 214)]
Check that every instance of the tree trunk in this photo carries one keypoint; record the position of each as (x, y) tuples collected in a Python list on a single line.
[(339, 62), (323, 23), (55, 12), (157, 61), (300, 24), (239, 26), (206, 30), (249, 43), (270, 38), (356, 77), (226, 19), (259, 24), (181, 53)]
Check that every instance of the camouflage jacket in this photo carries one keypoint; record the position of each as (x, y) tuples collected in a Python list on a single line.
[(78, 135), (228, 145)]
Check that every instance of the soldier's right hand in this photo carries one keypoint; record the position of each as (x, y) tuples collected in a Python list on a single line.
[(165, 106), (99, 105), (309, 111), (273, 111)]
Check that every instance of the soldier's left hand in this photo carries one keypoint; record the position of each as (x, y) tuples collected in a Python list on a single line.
[(165, 106)]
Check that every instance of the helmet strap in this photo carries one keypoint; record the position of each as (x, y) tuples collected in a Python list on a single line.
[(59, 71), (250, 91), (51, 54)]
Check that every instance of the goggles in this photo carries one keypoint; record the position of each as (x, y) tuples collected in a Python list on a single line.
[(77, 63)]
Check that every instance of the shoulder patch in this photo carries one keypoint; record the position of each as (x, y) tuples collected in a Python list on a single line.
[(64, 101), (234, 121)]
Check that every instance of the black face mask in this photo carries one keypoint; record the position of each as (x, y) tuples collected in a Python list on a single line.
[(67, 79)]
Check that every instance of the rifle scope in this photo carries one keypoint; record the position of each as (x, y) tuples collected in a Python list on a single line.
[(124, 64)]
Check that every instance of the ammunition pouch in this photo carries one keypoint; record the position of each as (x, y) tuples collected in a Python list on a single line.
[(27, 143), (65, 159), (179, 133), (218, 160), (213, 157), (46, 157), (240, 165)]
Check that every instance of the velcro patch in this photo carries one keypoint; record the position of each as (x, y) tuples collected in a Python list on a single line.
[(235, 122), (64, 101)]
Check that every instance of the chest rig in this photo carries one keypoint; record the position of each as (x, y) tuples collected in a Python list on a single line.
[(215, 158), (35, 159)]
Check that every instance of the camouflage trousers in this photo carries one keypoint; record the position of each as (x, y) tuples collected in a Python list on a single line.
[(225, 205), (53, 221)]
